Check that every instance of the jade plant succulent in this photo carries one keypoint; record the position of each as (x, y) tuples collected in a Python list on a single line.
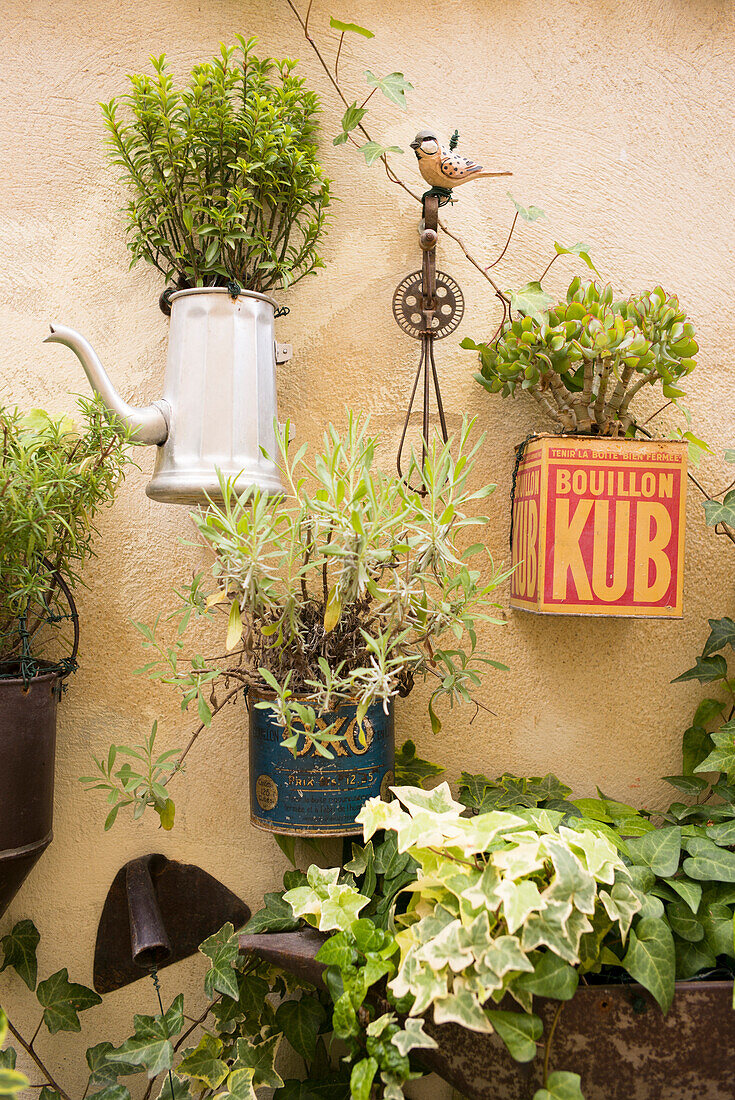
[(585, 358)]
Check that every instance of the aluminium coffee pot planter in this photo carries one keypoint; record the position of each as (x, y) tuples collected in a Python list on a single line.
[(308, 794), (598, 526), (218, 409)]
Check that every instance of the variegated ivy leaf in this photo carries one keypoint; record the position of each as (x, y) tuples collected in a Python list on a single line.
[(597, 853), (413, 1037), (321, 878), (239, 1085), (503, 957), (376, 814), (222, 950), (342, 908), (572, 882), (520, 899), (557, 928), (424, 984), (476, 834), (448, 948), (461, 1007), (438, 801), (521, 860), (261, 1058), (203, 1062)]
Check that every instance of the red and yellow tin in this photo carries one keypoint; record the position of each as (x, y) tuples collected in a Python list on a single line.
[(598, 527)]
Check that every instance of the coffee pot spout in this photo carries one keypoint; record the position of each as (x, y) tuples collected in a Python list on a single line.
[(149, 424)]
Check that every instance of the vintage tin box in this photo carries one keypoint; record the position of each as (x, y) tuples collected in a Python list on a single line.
[(598, 527), (308, 795)]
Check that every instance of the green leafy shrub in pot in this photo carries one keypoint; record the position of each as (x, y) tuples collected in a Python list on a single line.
[(585, 358), (350, 588), (54, 477), (224, 172)]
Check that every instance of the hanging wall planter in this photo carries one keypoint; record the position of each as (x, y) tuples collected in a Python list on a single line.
[(218, 409), (27, 753), (598, 526), (54, 476), (307, 794)]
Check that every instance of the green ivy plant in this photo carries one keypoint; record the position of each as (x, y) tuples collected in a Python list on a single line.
[(226, 183), (585, 358), (227, 1051), (55, 476)]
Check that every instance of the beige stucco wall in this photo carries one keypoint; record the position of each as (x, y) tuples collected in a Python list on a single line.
[(616, 117)]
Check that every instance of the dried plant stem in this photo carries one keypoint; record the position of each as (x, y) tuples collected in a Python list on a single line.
[(202, 725), (549, 1041), (29, 1049)]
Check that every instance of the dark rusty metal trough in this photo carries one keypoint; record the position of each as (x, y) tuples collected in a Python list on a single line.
[(615, 1037)]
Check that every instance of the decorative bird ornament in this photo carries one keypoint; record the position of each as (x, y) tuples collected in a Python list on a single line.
[(444, 169)]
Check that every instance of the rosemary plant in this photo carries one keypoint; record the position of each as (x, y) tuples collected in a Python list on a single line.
[(224, 172), (53, 479)]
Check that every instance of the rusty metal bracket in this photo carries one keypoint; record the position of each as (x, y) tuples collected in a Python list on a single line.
[(427, 305), (157, 912)]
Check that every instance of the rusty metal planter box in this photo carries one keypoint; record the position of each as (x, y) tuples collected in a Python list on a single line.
[(598, 527), (614, 1036), (618, 1040), (308, 795)]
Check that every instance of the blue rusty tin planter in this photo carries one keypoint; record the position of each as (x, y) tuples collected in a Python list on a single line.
[(308, 795)]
